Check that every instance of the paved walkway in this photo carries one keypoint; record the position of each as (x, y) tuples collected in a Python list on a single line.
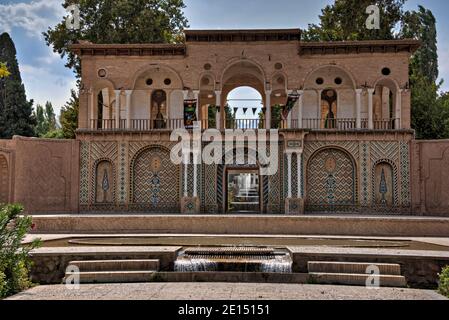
[(221, 291)]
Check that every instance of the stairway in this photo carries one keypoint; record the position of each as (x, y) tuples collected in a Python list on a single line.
[(114, 271), (356, 274)]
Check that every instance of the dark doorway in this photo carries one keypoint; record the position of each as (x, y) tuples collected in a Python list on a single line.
[(243, 191)]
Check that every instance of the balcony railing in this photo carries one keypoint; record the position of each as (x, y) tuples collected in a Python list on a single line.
[(243, 124)]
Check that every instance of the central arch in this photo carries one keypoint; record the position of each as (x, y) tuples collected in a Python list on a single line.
[(331, 181), (242, 74)]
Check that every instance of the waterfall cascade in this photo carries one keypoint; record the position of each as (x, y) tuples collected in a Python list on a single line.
[(234, 259)]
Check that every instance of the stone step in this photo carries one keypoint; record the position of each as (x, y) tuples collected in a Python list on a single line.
[(116, 265), (352, 267), (356, 279), (112, 276)]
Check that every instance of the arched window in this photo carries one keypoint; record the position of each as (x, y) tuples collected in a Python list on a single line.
[(329, 109), (159, 109)]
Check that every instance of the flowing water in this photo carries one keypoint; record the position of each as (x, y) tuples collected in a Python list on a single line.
[(236, 259)]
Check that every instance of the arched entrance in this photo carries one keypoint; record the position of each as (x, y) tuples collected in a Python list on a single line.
[(4, 180), (155, 182), (240, 186), (331, 181)]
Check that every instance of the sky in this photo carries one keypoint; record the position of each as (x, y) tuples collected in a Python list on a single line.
[(46, 78)]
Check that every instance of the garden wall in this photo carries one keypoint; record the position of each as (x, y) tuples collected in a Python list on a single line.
[(41, 174), (430, 177)]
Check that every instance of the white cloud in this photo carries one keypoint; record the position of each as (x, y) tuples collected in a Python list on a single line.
[(34, 17), (42, 85)]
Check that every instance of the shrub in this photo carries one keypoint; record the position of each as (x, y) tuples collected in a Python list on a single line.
[(14, 257), (444, 282)]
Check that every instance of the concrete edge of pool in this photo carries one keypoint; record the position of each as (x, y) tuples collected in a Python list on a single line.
[(254, 224)]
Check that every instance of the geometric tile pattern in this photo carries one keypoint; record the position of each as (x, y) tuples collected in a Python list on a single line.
[(365, 154), (276, 203), (364, 176), (155, 191), (122, 183), (331, 179), (84, 174), (209, 197), (405, 174), (384, 150)]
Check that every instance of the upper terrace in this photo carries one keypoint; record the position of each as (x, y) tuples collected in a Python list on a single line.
[(336, 86)]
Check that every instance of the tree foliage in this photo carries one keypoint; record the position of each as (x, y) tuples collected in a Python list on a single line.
[(119, 21), (345, 20), (14, 257), (69, 117), (15, 110), (45, 119), (421, 25)]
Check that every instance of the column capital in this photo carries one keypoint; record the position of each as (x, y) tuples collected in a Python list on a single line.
[(268, 92), (359, 91), (370, 90), (118, 92), (218, 92), (129, 92)]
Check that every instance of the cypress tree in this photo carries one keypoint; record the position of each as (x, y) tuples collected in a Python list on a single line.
[(15, 110)]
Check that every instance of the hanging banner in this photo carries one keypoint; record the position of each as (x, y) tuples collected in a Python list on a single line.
[(245, 110), (288, 107), (255, 111), (235, 110), (189, 113)]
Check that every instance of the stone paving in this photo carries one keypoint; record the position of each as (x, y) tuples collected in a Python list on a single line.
[(221, 291)]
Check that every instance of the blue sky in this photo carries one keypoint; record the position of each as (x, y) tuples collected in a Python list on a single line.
[(46, 78)]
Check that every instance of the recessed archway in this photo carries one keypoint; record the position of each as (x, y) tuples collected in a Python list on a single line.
[(386, 109), (331, 181)]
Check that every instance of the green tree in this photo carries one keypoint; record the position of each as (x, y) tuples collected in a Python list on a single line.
[(119, 21), (15, 110), (69, 117), (45, 119), (429, 113), (421, 25), (14, 257), (345, 20)]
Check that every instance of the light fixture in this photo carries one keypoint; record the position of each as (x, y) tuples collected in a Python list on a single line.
[(278, 95), (210, 96)]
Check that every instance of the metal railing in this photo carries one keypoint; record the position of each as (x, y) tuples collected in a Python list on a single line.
[(243, 124)]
